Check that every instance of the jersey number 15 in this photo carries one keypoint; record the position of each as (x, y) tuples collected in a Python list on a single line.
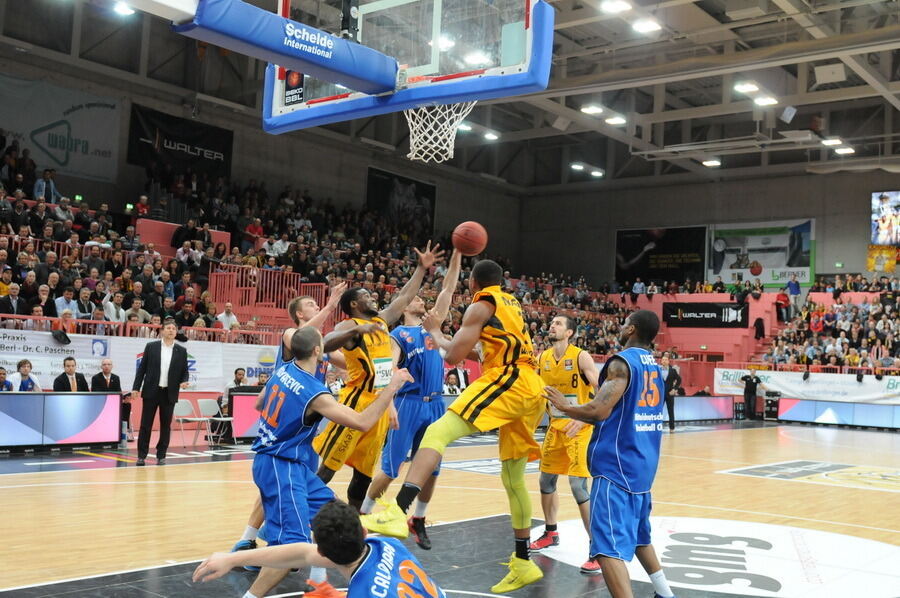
[(650, 393)]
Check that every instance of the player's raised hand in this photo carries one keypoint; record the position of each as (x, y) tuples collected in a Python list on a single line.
[(432, 322), (214, 567), (556, 398), (573, 428), (430, 256), (334, 294)]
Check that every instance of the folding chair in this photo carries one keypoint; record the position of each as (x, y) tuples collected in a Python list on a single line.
[(184, 412), (210, 411)]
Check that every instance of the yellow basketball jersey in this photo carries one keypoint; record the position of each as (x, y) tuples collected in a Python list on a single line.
[(565, 375), (369, 364), (504, 338)]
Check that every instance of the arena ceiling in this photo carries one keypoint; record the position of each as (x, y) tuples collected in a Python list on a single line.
[(832, 67)]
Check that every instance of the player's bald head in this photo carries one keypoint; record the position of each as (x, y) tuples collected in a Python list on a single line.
[(304, 342)]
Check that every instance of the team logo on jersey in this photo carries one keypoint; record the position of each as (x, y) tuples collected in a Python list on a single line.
[(568, 364), (409, 339), (547, 365)]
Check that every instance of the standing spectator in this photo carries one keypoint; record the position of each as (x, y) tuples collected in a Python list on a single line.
[(46, 188), (751, 383), (793, 288), (162, 370), (783, 304), (23, 380), (227, 317), (638, 288), (186, 232), (252, 232), (70, 380), (672, 381), (5, 385)]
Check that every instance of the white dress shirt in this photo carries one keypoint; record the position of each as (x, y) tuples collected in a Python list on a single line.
[(165, 358)]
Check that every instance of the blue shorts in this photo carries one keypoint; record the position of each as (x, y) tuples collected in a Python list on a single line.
[(414, 415), (291, 494), (620, 520)]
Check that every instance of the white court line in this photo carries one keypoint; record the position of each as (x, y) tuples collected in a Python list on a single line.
[(174, 564), (61, 461), (784, 433)]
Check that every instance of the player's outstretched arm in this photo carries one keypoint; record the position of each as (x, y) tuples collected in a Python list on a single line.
[(342, 415), (445, 297), (589, 368), (347, 334), (286, 556), (465, 339), (608, 395), (334, 299), (427, 259)]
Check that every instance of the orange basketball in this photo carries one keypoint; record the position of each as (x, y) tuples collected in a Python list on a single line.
[(470, 238)]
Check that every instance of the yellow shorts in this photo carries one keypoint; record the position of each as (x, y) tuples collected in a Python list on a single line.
[(563, 455), (509, 399), (338, 445)]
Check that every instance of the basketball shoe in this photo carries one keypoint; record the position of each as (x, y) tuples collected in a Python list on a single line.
[(521, 573), (546, 540)]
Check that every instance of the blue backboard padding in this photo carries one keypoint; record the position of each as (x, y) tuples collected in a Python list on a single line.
[(249, 30), (534, 79)]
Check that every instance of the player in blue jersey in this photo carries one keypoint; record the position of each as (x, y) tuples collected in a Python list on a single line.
[(418, 404), (376, 567), (303, 311), (295, 402), (623, 455)]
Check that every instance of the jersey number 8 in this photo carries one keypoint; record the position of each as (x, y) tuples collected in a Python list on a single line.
[(650, 394)]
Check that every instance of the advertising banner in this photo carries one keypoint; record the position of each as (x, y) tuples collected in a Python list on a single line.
[(74, 132), (881, 258), (209, 368), (770, 251), (157, 137), (661, 254), (819, 387), (407, 202), (885, 218), (706, 315)]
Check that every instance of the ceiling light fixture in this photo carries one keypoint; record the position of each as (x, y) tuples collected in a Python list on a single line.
[(613, 7), (577, 166), (832, 141), (712, 163), (597, 173), (491, 136), (592, 109), (845, 150), (746, 87), (615, 120), (765, 101), (646, 26), (123, 9), (464, 127)]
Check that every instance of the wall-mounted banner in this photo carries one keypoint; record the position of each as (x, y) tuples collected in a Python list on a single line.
[(819, 387), (770, 251), (661, 254), (74, 132), (706, 315), (157, 137)]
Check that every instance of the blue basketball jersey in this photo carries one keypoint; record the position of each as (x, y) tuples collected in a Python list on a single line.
[(624, 448), (283, 429), (321, 367), (419, 355), (390, 570)]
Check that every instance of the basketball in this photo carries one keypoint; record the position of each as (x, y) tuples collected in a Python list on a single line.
[(470, 238)]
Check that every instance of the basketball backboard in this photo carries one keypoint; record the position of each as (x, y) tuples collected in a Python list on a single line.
[(448, 51)]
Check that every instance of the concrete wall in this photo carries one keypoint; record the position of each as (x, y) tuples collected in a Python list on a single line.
[(575, 233)]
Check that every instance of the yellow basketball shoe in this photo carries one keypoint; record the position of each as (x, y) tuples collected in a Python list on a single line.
[(389, 522), (521, 573)]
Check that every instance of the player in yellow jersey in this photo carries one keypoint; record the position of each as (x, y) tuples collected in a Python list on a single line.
[(571, 371), (507, 397), (366, 345)]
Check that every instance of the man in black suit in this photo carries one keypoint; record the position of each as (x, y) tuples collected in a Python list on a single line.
[(13, 304), (162, 370), (462, 374), (672, 381), (70, 380), (106, 381)]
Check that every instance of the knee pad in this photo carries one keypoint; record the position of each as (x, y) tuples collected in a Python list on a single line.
[(548, 482), (359, 485), (512, 474), (579, 489), (445, 430)]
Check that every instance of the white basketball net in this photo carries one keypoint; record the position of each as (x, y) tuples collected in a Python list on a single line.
[(432, 130)]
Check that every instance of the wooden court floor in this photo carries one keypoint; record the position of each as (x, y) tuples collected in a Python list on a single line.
[(70, 524)]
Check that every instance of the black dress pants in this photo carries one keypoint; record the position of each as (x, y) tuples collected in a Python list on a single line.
[(160, 400), (670, 407)]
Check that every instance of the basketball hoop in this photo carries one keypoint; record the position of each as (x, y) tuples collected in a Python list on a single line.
[(432, 130)]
